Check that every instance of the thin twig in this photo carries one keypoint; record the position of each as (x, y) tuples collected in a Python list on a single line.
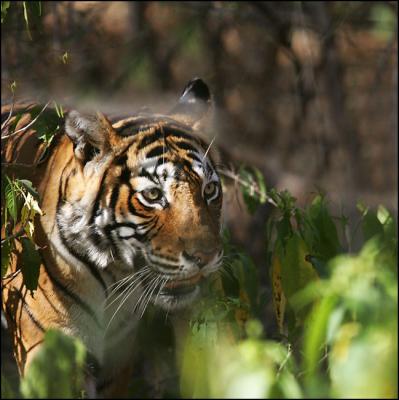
[(4, 124), (12, 275), (237, 179), (15, 235), (27, 126), (12, 164), (282, 365)]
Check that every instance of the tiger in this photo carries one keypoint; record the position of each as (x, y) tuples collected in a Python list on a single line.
[(131, 216)]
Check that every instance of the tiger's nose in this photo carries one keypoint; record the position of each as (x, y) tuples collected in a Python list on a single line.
[(201, 258)]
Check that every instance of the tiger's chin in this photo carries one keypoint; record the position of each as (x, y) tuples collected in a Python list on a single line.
[(178, 298)]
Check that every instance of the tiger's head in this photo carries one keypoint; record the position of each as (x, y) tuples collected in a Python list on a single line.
[(146, 188)]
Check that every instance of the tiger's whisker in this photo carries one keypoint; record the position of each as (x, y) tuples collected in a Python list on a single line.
[(160, 288), (135, 281), (149, 296), (141, 304), (207, 150), (123, 301), (136, 277), (143, 295), (127, 277)]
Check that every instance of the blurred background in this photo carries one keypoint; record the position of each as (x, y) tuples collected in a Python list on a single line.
[(304, 91)]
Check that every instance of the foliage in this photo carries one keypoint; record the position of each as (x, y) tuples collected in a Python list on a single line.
[(57, 369), (335, 311), (20, 200), (5, 5), (331, 308), (29, 8), (384, 18), (21, 206)]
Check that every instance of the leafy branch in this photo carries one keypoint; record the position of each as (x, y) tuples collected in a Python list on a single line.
[(24, 128)]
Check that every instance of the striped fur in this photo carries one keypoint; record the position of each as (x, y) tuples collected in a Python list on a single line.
[(131, 217)]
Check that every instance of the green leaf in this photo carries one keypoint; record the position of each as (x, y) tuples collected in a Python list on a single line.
[(319, 230), (30, 264), (5, 257), (38, 5), (388, 222), (371, 226), (319, 265), (13, 86), (253, 188), (247, 276), (384, 19), (363, 362), (5, 5), (48, 123), (315, 336), (57, 369), (284, 228), (193, 374), (296, 272), (12, 202)]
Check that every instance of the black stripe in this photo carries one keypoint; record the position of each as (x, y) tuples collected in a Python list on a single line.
[(156, 231), (147, 175), (182, 144), (149, 139), (142, 124), (162, 161), (73, 296), (178, 133), (125, 176), (194, 157), (114, 197), (151, 221), (82, 258), (134, 127), (156, 151), (132, 210), (97, 200), (29, 312), (187, 164), (121, 160), (165, 132), (33, 319), (96, 239)]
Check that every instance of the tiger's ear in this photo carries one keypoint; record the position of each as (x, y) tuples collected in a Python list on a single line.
[(195, 104), (91, 134)]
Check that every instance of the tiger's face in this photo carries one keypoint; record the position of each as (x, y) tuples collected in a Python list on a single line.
[(168, 208), (159, 200)]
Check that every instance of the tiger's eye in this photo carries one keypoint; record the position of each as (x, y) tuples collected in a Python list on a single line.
[(210, 189), (152, 194)]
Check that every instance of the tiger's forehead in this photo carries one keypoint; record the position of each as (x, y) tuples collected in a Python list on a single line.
[(160, 147)]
